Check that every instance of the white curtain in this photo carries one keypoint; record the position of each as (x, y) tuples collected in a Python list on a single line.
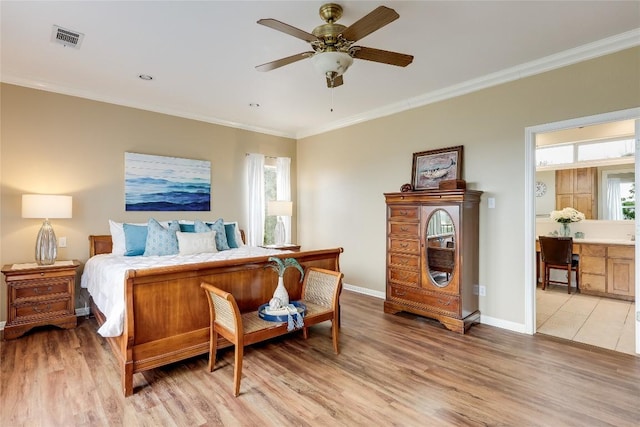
[(614, 202), (256, 215), (283, 190)]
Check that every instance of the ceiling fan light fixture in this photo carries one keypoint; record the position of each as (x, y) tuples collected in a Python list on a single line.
[(332, 63)]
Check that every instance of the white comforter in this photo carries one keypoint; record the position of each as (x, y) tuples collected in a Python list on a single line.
[(103, 277)]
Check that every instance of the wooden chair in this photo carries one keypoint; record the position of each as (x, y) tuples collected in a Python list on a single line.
[(557, 252), (320, 293)]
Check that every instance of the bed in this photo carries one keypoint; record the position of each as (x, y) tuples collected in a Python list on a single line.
[(166, 313)]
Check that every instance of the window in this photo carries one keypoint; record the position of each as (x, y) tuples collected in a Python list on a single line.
[(606, 150), (580, 153), (270, 193), (555, 155), (268, 179)]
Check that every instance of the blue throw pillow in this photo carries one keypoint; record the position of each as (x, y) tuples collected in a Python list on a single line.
[(187, 228), (218, 227), (160, 240), (135, 239), (230, 231)]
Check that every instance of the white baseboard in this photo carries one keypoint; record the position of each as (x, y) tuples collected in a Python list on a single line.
[(485, 320), (365, 291), (2, 325), (503, 324)]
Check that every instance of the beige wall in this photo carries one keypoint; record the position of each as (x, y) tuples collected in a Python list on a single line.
[(58, 144), (343, 174), (65, 145)]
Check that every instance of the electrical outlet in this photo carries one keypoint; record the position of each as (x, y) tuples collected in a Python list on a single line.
[(483, 291), (62, 242)]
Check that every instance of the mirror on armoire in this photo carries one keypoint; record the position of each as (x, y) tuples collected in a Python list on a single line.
[(441, 247)]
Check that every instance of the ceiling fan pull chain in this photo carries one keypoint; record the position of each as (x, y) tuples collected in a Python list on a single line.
[(331, 100)]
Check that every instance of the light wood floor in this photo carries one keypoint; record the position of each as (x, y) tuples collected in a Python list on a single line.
[(398, 370)]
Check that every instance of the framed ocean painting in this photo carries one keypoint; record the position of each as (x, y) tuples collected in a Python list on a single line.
[(159, 183)]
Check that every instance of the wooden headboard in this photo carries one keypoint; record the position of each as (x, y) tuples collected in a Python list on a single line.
[(102, 244)]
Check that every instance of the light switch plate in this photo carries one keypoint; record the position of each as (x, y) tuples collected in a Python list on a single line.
[(491, 201)]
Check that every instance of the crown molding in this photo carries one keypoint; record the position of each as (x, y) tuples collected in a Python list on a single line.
[(65, 90), (582, 53), (572, 56)]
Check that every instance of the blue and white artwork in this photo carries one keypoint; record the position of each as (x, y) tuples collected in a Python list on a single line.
[(159, 183)]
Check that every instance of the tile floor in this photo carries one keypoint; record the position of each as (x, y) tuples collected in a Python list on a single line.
[(603, 322)]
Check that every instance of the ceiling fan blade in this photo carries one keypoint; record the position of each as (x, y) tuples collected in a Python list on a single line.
[(288, 29), (283, 61), (337, 81), (384, 56), (375, 20)]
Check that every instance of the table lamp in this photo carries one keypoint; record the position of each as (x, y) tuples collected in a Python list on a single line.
[(46, 206), (279, 208)]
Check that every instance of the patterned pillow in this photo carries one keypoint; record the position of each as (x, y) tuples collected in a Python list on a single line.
[(218, 227), (160, 240)]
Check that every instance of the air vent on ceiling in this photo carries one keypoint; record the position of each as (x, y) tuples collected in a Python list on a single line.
[(66, 37)]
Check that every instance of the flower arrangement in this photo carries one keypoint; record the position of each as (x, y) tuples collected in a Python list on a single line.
[(566, 215)]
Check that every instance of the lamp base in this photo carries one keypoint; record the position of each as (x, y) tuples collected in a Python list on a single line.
[(46, 245), (279, 233)]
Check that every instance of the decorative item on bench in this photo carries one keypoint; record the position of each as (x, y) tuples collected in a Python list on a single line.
[(293, 313), (280, 266)]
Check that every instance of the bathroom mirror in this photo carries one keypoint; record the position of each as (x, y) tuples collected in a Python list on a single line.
[(441, 247)]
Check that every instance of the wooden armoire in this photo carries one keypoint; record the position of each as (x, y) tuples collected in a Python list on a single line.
[(432, 255)]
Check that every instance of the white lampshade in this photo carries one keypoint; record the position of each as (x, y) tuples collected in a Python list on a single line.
[(332, 62), (46, 206), (280, 208)]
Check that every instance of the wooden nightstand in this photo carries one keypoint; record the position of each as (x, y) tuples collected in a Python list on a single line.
[(39, 295), (284, 247)]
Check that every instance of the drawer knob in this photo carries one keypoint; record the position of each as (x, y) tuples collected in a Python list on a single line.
[(42, 274)]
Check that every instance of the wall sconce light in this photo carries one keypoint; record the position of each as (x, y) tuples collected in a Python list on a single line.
[(279, 208), (46, 206)]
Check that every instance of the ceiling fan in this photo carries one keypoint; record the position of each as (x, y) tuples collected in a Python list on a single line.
[(333, 44)]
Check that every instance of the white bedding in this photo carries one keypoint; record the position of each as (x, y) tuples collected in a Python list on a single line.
[(103, 277)]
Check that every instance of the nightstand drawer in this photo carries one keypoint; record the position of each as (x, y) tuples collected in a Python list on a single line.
[(41, 309), (43, 289)]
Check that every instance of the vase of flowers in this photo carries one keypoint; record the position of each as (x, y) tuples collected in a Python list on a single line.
[(280, 295), (565, 217)]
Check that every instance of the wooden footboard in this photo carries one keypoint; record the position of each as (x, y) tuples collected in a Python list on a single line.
[(167, 313)]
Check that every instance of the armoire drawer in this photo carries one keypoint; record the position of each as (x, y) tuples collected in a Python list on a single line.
[(439, 303)]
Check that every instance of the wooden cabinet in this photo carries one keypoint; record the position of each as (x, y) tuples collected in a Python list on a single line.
[(607, 270), (578, 189), (621, 270), (432, 255), (40, 295)]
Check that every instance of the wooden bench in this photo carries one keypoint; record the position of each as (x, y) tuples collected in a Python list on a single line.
[(320, 294)]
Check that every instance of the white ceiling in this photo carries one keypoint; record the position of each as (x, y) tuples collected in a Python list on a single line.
[(202, 54)]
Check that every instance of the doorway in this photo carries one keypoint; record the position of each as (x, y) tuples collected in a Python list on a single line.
[(530, 163)]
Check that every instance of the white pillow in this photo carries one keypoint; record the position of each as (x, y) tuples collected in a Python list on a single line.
[(196, 243)]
